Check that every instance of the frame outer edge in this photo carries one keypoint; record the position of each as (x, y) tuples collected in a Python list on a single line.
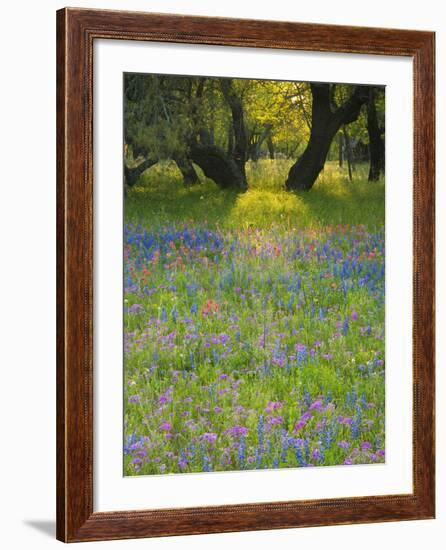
[(60, 278), (424, 259), (74, 283), (75, 518)]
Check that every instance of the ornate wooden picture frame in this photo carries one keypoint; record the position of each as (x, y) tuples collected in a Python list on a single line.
[(77, 29)]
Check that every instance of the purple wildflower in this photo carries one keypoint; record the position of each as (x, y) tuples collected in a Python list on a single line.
[(274, 420), (135, 398), (165, 426), (236, 431), (209, 437), (302, 421), (299, 425), (316, 453), (273, 406), (316, 405), (135, 308)]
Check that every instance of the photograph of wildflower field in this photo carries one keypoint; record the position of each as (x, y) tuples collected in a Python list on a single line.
[(254, 277)]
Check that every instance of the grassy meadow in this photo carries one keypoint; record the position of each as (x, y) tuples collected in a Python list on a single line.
[(253, 322)]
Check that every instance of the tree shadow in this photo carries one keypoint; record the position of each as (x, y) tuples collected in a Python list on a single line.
[(356, 204), (162, 197), (47, 527), (162, 200)]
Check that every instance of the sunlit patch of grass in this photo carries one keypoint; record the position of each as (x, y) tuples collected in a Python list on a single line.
[(262, 208), (161, 196), (266, 174)]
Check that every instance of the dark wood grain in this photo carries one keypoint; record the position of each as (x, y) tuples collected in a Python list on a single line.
[(76, 31)]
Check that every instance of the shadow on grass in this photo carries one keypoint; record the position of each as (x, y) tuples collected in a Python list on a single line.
[(355, 204), (161, 199)]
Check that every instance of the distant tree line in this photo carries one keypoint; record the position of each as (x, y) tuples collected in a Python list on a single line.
[(219, 124)]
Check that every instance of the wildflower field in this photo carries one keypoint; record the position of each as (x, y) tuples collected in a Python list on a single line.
[(253, 323)]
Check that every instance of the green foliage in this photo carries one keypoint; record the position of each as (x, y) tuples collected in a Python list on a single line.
[(157, 114), (163, 113)]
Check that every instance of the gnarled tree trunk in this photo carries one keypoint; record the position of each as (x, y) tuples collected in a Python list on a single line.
[(190, 176), (325, 123), (240, 142), (217, 166), (376, 143), (131, 175)]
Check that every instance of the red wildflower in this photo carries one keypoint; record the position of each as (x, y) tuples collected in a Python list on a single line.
[(211, 306)]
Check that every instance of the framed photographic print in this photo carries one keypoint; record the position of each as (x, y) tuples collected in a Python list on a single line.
[(245, 275)]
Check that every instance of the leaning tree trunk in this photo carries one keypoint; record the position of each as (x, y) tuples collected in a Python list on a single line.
[(131, 175), (238, 123), (340, 151), (230, 148), (348, 150), (218, 166), (258, 141), (325, 124), (190, 176), (376, 143), (270, 146)]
